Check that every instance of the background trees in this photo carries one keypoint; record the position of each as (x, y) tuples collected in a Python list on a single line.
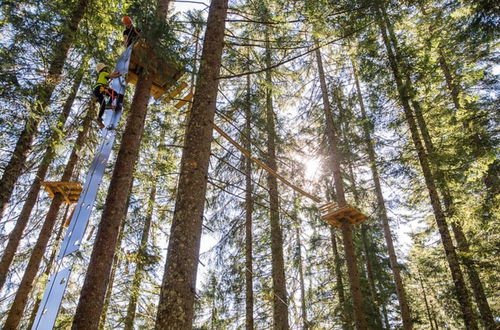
[(441, 52)]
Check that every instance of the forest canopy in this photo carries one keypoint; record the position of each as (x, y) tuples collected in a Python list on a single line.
[(249, 164)]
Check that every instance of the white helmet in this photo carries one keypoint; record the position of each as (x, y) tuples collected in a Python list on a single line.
[(100, 66)]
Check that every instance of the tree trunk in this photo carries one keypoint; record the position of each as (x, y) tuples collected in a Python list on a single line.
[(176, 305), (374, 305), (48, 268), (463, 245), (93, 291), (23, 146), (17, 308), (452, 258), (249, 321), (357, 299), (116, 263), (303, 307), (427, 308), (21, 223), (280, 298), (345, 312), (142, 254), (382, 211)]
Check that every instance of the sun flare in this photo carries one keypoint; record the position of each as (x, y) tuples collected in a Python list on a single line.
[(312, 168)]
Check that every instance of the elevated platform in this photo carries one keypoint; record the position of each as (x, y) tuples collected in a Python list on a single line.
[(69, 190), (182, 102), (334, 215), (165, 74)]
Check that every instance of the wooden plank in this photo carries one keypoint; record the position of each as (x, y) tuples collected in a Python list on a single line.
[(184, 100)]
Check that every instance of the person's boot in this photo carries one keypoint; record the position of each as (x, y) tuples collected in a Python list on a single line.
[(100, 123)]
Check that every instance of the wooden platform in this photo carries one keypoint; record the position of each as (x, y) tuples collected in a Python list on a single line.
[(182, 102), (165, 74), (335, 215), (69, 190)]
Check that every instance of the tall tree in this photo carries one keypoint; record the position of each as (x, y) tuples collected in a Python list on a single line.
[(45, 89), (175, 308), (249, 297), (280, 299), (26, 285), (334, 156), (453, 262), (50, 153), (382, 211)]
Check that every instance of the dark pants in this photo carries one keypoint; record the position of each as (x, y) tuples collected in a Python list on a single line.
[(101, 100), (100, 96)]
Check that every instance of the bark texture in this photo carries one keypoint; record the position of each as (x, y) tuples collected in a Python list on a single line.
[(26, 285), (462, 243), (142, 255), (249, 320), (21, 223), (45, 89), (382, 211), (176, 305), (452, 258), (96, 281), (350, 253), (339, 283), (116, 263), (280, 299)]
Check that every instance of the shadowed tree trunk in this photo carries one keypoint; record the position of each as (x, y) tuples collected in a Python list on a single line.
[(247, 143), (176, 305), (96, 281), (339, 283), (350, 253), (462, 243), (280, 298), (26, 285), (21, 223), (93, 292), (372, 306), (452, 258), (45, 89), (298, 242), (48, 267), (382, 211), (142, 255), (116, 264)]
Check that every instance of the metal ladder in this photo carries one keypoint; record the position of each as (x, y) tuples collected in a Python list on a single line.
[(58, 281)]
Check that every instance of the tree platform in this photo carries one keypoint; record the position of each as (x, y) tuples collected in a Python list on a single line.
[(335, 215), (165, 75), (69, 190)]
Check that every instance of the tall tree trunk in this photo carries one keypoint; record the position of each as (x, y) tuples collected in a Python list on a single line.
[(50, 153), (249, 321), (21, 298), (116, 264), (452, 258), (427, 308), (45, 89), (350, 253), (96, 281), (462, 243), (382, 211), (374, 305), (142, 254), (280, 298), (303, 307), (176, 305), (48, 267), (339, 286)]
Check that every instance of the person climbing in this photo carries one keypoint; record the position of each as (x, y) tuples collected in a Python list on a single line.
[(101, 89), (131, 33)]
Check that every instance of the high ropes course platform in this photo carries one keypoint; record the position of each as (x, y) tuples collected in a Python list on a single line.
[(129, 66)]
